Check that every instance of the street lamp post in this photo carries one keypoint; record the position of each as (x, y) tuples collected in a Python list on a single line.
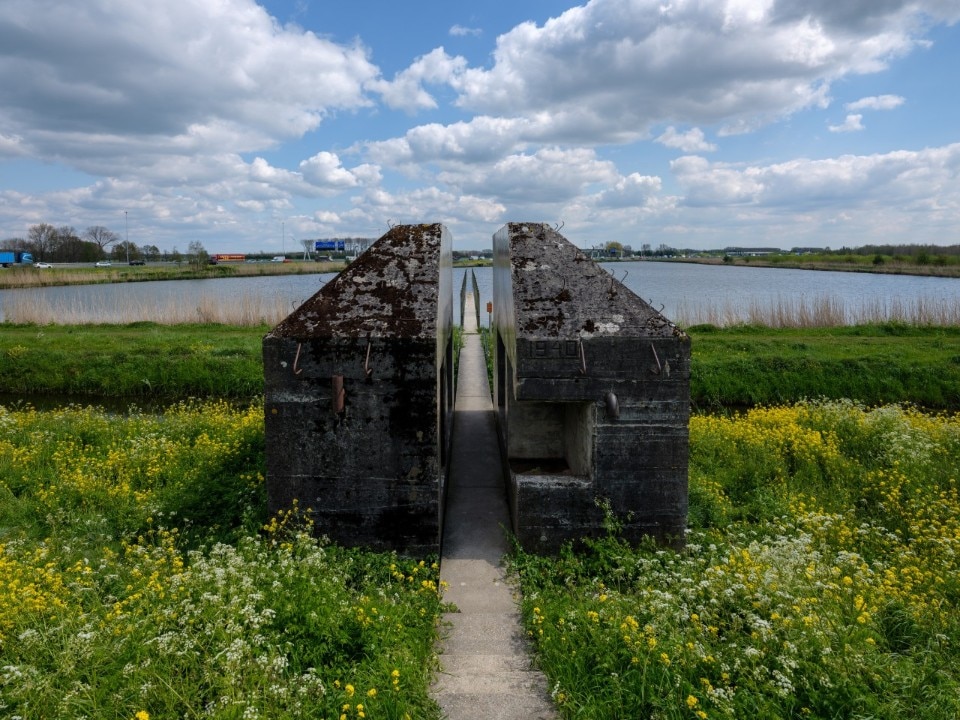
[(126, 232)]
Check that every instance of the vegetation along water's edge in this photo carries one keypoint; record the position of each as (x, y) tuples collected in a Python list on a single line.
[(731, 367)]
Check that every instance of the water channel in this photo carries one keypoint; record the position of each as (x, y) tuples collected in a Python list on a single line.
[(687, 293)]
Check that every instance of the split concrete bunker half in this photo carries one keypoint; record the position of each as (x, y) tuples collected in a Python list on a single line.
[(592, 391), (591, 395), (359, 396)]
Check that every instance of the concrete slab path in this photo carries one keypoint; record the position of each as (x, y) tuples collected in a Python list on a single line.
[(484, 657)]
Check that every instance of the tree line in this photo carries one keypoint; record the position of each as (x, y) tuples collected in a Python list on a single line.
[(64, 244)]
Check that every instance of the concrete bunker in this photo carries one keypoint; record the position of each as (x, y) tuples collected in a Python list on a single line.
[(359, 396), (592, 392)]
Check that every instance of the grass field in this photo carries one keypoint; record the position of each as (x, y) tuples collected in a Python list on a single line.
[(874, 364)]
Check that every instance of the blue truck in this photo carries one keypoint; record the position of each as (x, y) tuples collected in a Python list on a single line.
[(15, 257)]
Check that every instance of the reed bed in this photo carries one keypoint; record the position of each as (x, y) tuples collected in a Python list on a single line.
[(247, 311), (821, 311)]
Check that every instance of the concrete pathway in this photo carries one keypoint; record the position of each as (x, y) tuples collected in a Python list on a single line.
[(485, 665)]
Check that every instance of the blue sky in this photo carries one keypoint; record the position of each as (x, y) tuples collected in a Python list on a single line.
[(693, 123)]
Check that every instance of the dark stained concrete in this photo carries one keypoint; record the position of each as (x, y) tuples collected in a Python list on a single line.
[(359, 396)]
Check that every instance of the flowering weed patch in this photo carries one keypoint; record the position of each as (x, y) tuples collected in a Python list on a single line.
[(139, 578), (821, 579)]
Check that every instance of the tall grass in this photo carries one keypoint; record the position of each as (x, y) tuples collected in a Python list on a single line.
[(821, 311), (248, 310), (251, 309)]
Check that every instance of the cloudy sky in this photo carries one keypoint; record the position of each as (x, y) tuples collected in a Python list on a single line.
[(697, 123)]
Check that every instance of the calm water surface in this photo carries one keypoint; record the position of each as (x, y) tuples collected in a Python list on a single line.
[(685, 291)]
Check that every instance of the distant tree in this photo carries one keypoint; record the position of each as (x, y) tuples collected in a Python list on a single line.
[(150, 252), (645, 249), (40, 239), (124, 250), (12, 244), (64, 245), (612, 248), (197, 254), (71, 249), (101, 236), (175, 256)]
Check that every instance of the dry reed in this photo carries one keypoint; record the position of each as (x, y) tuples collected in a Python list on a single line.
[(247, 311), (251, 310), (821, 311)]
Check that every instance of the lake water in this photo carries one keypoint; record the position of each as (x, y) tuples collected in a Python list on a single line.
[(688, 293)]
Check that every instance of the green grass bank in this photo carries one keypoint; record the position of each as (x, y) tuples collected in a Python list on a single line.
[(731, 367), (872, 364)]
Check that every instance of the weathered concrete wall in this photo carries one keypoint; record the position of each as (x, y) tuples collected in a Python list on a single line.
[(370, 460), (612, 375)]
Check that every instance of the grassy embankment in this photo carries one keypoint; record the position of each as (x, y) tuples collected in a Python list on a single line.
[(731, 367)]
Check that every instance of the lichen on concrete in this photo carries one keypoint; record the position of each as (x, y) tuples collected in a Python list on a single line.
[(385, 292)]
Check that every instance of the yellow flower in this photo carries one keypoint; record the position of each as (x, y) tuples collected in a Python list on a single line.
[(142, 715), (692, 701), (350, 690)]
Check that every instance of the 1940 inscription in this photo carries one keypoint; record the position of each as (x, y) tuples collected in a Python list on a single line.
[(553, 349)]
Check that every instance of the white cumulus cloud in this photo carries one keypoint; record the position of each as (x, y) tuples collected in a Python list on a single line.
[(852, 123), (876, 102), (691, 141)]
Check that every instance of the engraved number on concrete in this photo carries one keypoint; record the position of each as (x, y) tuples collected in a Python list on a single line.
[(554, 349)]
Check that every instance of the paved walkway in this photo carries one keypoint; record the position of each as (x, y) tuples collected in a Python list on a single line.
[(485, 666)]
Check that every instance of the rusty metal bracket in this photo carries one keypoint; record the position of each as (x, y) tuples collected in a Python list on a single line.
[(296, 360), (583, 357), (657, 358), (338, 395), (367, 370)]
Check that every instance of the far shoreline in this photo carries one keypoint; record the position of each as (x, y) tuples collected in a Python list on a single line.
[(20, 278), (939, 271)]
